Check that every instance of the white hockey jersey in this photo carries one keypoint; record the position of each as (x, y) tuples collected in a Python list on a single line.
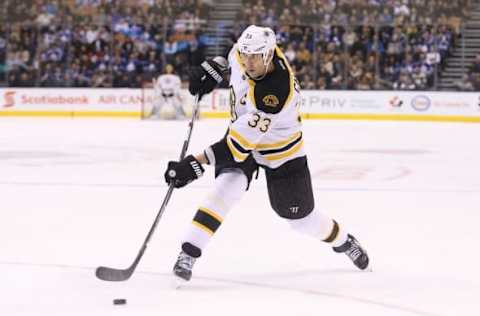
[(265, 117), (168, 85)]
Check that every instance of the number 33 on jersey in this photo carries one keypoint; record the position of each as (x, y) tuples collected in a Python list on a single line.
[(265, 118)]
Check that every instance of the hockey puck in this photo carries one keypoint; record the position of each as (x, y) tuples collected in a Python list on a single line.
[(119, 301)]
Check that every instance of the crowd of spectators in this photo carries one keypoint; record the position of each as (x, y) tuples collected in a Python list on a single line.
[(470, 80), (101, 43), (331, 44), (3, 53), (362, 44)]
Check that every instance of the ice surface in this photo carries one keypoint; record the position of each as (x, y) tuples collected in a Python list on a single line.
[(76, 194)]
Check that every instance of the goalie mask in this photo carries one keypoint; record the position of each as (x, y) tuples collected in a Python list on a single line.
[(258, 40)]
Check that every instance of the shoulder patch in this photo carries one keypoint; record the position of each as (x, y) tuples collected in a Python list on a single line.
[(272, 92), (270, 100)]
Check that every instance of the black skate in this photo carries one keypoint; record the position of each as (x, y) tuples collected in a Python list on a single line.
[(354, 251), (183, 267)]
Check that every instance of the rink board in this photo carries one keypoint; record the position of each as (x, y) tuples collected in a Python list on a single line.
[(315, 104)]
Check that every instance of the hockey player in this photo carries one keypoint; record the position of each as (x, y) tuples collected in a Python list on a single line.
[(265, 131), (167, 91)]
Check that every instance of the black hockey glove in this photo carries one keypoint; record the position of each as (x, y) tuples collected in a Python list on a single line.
[(204, 78), (183, 172)]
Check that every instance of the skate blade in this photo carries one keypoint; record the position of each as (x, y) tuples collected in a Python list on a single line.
[(178, 283), (369, 268)]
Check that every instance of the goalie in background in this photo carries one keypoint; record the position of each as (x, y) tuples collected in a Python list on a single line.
[(168, 101)]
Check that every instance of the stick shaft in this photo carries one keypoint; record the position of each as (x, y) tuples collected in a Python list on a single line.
[(111, 274)]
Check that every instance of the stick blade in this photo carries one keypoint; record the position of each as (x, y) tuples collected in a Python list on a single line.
[(111, 274)]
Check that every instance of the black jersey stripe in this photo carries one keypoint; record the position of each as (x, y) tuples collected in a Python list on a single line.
[(284, 148), (207, 220), (237, 155), (239, 147)]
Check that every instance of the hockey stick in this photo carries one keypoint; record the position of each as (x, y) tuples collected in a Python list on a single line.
[(112, 274)]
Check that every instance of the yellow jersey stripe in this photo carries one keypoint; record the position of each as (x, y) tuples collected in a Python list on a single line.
[(241, 140), (238, 156), (239, 61), (286, 153), (251, 92), (282, 143), (203, 227), (211, 213)]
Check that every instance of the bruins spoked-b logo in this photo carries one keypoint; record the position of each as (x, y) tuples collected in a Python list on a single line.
[(270, 100)]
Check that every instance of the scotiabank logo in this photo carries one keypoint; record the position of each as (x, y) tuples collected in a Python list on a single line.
[(9, 99)]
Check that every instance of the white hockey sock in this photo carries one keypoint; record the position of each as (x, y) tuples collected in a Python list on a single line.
[(228, 189), (320, 226)]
